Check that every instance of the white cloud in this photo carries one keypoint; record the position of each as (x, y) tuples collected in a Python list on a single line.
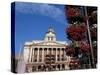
[(42, 9)]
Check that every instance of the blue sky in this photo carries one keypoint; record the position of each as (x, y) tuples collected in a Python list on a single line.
[(32, 21)]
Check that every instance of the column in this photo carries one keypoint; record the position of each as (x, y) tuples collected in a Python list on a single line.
[(36, 68), (57, 68), (33, 56), (61, 67), (30, 56), (66, 67), (56, 54), (38, 55), (42, 55), (68, 59), (29, 69), (64, 54), (60, 54)]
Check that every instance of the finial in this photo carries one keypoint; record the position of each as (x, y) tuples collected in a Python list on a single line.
[(50, 29)]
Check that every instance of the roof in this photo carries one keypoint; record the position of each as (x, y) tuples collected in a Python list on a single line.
[(42, 42)]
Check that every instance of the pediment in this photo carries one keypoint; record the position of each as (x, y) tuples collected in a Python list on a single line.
[(50, 43)]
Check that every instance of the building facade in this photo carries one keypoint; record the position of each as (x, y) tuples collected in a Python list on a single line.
[(46, 55)]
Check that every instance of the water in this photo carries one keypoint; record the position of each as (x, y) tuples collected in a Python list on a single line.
[(21, 66)]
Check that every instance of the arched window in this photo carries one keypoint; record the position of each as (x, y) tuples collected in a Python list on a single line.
[(33, 68), (48, 38), (35, 48), (62, 48), (51, 38), (63, 66), (40, 54), (58, 67), (58, 49), (35, 54), (39, 67)]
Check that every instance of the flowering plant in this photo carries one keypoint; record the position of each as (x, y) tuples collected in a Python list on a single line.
[(72, 11), (76, 32), (70, 50), (85, 47)]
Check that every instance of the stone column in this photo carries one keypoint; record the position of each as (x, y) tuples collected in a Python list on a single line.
[(29, 69), (30, 56), (60, 54), (42, 55), (33, 56), (56, 54), (36, 68), (60, 67), (38, 55), (68, 59), (66, 67), (64, 54), (56, 68)]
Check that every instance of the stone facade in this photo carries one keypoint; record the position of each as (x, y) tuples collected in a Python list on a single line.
[(46, 55)]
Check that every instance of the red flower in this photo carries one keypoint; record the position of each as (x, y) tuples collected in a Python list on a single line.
[(70, 51), (72, 11), (85, 47), (76, 32)]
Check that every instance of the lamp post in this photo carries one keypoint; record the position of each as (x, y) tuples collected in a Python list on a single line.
[(89, 35)]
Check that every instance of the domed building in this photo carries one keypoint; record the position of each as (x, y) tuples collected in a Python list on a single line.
[(46, 55)]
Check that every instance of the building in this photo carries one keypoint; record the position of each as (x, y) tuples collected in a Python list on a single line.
[(46, 55)]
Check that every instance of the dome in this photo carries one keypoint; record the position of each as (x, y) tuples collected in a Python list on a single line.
[(50, 30), (50, 35)]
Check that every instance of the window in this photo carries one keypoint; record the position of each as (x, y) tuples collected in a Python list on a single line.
[(51, 38), (62, 59), (45, 50), (48, 38), (62, 48), (35, 60), (33, 68)]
